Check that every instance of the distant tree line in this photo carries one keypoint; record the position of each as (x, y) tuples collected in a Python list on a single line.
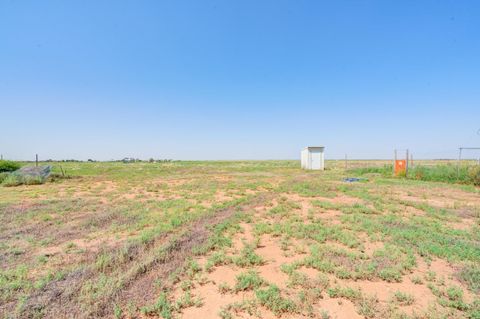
[(64, 160), (151, 160), (124, 160)]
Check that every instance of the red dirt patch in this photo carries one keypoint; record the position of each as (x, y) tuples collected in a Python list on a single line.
[(338, 308)]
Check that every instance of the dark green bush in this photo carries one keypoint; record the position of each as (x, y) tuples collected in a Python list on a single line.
[(8, 166)]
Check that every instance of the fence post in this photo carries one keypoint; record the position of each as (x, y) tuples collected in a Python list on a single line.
[(458, 163), (406, 164), (394, 161)]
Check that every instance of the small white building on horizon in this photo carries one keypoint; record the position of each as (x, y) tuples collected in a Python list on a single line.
[(313, 158)]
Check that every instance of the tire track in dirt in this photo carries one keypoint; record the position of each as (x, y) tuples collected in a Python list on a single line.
[(60, 298), (178, 250)]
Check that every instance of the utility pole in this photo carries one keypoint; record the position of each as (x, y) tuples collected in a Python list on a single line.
[(36, 160), (346, 165)]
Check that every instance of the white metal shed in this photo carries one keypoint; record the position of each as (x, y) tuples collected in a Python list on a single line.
[(313, 158)]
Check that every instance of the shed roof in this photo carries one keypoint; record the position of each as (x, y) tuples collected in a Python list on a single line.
[(309, 147)]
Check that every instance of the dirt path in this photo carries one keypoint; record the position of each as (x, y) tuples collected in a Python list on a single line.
[(59, 299), (177, 251)]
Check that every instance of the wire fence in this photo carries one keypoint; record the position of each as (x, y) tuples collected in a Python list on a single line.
[(465, 169)]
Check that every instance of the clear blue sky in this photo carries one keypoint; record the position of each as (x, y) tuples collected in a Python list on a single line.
[(238, 79)]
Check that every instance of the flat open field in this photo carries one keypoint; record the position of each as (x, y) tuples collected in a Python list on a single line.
[(237, 240)]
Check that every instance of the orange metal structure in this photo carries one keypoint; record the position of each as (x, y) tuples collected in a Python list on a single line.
[(400, 167)]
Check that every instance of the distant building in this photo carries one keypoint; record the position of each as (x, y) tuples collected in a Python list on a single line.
[(128, 160), (313, 158)]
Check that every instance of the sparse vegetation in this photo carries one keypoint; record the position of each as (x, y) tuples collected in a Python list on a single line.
[(448, 173), (403, 298), (168, 239), (271, 298), (345, 292), (248, 257), (471, 276), (161, 308), (248, 281)]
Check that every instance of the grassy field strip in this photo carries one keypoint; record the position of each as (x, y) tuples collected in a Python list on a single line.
[(130, 274)]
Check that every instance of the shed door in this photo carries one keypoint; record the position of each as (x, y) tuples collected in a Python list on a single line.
[(315, 159)]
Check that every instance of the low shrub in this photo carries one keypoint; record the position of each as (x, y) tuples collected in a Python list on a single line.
[(248, 258), (15, 180), (474, 175), (385, 170), (347, 293), (271, 298), (471, 276), (11, 180), (248, 280), (438, 173), (3, 176), (448, 173), (403, 298), (161, 308), (32, 180)]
